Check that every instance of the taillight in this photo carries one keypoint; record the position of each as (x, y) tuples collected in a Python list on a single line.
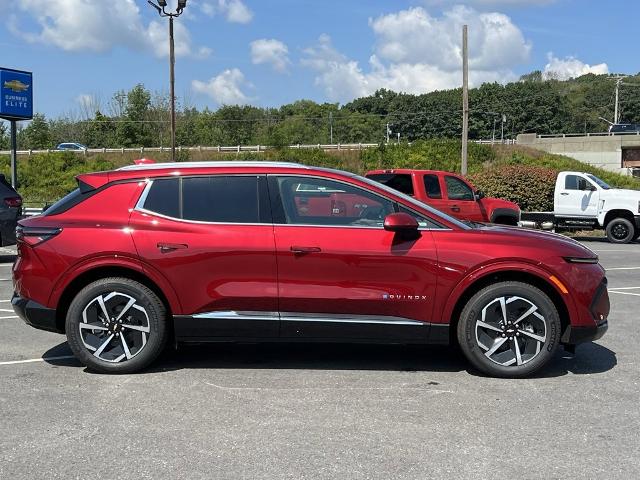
[(13, 201), (35, 235)]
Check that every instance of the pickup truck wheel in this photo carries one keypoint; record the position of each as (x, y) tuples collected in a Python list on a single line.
[(620, 230), (116, 325), (509, 330)]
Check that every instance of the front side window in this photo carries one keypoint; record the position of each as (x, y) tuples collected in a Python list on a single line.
[(318, 201), (457, 189), (215, 199), (574, 182)]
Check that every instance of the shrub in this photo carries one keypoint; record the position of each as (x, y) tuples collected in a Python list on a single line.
[(530, 187)]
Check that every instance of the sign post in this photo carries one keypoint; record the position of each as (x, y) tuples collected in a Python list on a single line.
[(16, 103)]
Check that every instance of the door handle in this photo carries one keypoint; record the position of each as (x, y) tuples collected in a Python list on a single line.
[(564, 193), (455, 208), (302, 250), (171, 247)]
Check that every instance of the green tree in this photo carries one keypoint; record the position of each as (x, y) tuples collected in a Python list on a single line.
[(37, 134)]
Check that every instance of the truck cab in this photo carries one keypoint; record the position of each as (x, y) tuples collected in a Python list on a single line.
[(583, 198), (449, 193)]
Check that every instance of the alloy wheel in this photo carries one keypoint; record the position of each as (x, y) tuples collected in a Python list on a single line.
[(511, 331), (115, 327)]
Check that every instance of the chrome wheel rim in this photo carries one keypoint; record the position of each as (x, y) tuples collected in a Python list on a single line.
[(114, 327), (511, 331)]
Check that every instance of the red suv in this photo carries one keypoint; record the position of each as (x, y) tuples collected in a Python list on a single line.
[(241, 251)]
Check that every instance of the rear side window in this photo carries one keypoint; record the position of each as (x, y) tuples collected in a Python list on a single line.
[(67, 202), (163, 197), (215, 199), (221, 199), (432, 186), (398, 181)]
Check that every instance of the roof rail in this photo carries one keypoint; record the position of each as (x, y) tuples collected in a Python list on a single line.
[(238, 163)]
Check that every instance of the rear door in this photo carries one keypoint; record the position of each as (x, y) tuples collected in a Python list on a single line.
[(433, 191), (341, 275), (211, 237)]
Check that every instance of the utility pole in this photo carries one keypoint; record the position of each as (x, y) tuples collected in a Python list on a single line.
[(161, 8), (504, 119), (493, 137), (388, 132), (331, 127), (172, 88), (14, 154), (465, 99), (617, 108)]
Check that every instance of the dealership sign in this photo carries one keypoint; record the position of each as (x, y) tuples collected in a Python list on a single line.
[(16, 88)]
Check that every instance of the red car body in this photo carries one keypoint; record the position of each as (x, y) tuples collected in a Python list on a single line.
[(450, 193), (301, 282)]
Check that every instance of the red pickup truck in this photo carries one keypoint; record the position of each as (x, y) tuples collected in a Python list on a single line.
[(449, 193)]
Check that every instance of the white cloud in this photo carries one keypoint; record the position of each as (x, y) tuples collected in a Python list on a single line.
[(418, 53), (98, 26), (570, 67), (226, 88), (272, 52), (233, 10)]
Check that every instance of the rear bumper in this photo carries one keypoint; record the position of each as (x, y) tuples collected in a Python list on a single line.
[(34, 314)]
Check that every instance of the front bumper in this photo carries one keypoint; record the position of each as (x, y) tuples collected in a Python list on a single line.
[(34, 314), (575, 335), (599, 310)]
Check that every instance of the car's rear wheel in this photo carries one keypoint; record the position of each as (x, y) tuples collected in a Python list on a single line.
[(510, 329), (116, 325)]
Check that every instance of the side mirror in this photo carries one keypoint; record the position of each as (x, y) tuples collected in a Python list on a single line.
[(400, 222), (479, 195)]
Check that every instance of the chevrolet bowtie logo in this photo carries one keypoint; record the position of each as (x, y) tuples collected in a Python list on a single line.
[(16, 86)]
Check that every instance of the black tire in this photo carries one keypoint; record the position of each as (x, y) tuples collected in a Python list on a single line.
[(532, 354), (142, 330), (620, 230)]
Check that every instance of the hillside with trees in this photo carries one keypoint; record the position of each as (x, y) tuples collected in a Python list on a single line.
[(140, 118)]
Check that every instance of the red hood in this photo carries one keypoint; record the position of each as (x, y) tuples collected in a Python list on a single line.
[(491, 203)]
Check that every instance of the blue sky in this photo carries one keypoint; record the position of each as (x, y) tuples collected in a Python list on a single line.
[(270, 52)]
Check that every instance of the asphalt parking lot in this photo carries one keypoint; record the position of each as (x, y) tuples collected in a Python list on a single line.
[(294, 411)]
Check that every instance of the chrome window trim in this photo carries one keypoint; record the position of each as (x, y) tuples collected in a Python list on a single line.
[(143, 197)]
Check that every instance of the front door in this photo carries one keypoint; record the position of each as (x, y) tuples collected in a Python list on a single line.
[(340, 274), (461, 201), (211, 237), (577, 197)]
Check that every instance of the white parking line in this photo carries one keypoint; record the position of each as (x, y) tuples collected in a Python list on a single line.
[(607, 269), (34, 360), (6, 310), (6, 318), (625, 293), (624, 288), (5, 301)]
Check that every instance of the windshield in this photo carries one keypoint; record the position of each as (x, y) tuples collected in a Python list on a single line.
[(601, 183), (413, 201)]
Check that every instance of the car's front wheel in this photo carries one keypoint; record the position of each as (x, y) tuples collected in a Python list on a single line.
[(116, 325), (510, 329)]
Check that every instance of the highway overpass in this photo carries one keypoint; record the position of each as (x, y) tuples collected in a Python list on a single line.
[(618, 153)]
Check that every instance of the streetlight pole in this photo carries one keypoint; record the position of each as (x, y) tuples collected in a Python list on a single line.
[(161, 7)]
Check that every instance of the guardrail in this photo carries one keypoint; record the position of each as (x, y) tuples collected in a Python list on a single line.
[(219, 149), (592, 134), (31, 211), (231, 149)]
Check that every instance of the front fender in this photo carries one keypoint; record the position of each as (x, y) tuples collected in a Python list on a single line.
[(483, 272)]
